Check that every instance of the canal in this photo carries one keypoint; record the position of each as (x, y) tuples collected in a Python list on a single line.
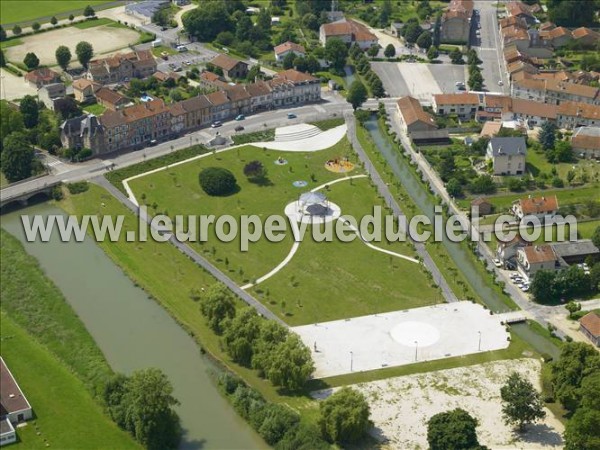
[(134, 332), (458, 253)]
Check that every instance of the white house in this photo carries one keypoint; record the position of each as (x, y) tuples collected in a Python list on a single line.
[(14, 405), (282, 50), (534, 258), (507, 155), (348, 31), (539, 207)]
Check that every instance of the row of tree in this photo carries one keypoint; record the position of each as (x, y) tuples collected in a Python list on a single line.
[(36, 26), (83, 50), (550, 286), (475, 78), (251, 341), (361, 63)]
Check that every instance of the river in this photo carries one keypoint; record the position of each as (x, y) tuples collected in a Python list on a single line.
[(458, 253), (134, 332)]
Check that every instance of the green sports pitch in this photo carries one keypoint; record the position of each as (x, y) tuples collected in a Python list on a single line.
[(23, 11)]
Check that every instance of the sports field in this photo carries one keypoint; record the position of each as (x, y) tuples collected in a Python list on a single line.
[(12, 11)]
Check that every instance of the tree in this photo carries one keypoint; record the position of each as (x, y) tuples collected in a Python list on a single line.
[(456, 56), (547, 135), (16, 30), (30, 110), (291, 364), (390, 51), (454, 188), (336, 53), (424, 40), (411, 31), (572, 14), (217, 305), (2, 33), (373, 50), (31, 61), (577, 361), (447, 166), (288, 60), (36, 27), (377, 88), (63, 56), (84, 52), (89, 11), (2, 58), (542, 286), (71, 17), (582, 430), (344, 416), (263, 20), (562, 152), (312, 64), (596, 237), (17, 158), (254, 73), (452, 430), (310, 21), (11, 120), (240, 335), (357, 94), (522, 403), (483, 184), (432, 53), (67, 108), (217, 181), (53, 21), (243, 28), (255, 170), (142, 404), (207, 22)]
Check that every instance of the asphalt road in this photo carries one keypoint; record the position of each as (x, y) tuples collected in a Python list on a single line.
[(489, 47)]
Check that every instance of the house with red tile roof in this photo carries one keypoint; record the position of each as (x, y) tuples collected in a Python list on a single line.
[(282, 50), (533, 258), (589, 325), (348, 31), (41, 77), (539, 207), (412, 116)]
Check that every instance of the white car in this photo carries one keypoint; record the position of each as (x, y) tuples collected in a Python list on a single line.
[(500, 83), (525, 288), (497, 262)]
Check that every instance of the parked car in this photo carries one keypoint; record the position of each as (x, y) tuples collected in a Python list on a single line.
[(497, 262), (291, 116), (240, 117), (239, 128), (153, 142), (500, 83), (216, 124)]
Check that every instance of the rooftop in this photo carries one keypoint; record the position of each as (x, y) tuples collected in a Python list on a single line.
[(586, 137), (412, 112), (508, 146), (289, 46), (463, 98), (591, 322), (538, 205), (539, 253), (225, 62), (12, 398), (575, 248)]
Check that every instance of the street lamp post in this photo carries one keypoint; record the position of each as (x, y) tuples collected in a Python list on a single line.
[(351, 360), (479, 345), (416, 349)]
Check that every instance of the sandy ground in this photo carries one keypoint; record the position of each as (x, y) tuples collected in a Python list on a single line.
[(401, 407), (402, 337), (103, 38), (13, 86)]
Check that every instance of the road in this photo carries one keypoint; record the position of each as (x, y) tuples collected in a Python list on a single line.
[(489, 48), (333, 104)]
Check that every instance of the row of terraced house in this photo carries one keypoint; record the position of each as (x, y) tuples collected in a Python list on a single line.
[(138, 125)]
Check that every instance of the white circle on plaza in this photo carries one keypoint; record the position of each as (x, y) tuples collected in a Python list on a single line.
[(407, 333)]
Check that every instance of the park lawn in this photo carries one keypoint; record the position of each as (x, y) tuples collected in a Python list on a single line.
[(95, 109), (585, 230), (13, 11), (177, 191), (96, 23), (10, 43), (335, 280), (537, 163), (65, 415)]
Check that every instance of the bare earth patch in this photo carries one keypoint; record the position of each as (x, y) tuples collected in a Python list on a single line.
[(104, 39), (401, 407)]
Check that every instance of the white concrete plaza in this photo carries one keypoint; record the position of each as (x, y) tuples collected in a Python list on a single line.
[(402, 337)]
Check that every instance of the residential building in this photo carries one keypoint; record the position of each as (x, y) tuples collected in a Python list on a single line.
[(111, 99), (293, 87), (521, 11), (85, 90), (50, 93), (166, 76), (122, 67), (507, 155), (261, 95), (586, 37), (556, 37), (530, 113), (83, 132), (456, 22), (490, 128), (197, 111), (282, 50), (571, 115), (232, 68), (542, 208), (463, 104), (554, 91), (589, 325), (586, 142), (239, 99), (484, 207), (575, 252), (506, 252), (14, 406), (41, 77), (211, 80), (533, 258), (413, 117), (348, 31)]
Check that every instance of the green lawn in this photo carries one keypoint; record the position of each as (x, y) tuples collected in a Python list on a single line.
[(96, 23), (13, 11), (65, 415), (96, 109), (537, 163), (323, 281), (11, 43)]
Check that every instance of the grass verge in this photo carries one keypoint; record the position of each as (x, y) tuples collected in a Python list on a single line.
[(257, 136), (327, 124)]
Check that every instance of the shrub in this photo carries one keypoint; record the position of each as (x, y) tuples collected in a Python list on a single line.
[(78, 187), (217, 181)]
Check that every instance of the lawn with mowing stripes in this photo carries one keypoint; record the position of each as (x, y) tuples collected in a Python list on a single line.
[(13, 11), (65, 415)]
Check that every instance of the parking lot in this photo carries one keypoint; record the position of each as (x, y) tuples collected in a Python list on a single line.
[(417, 79)]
